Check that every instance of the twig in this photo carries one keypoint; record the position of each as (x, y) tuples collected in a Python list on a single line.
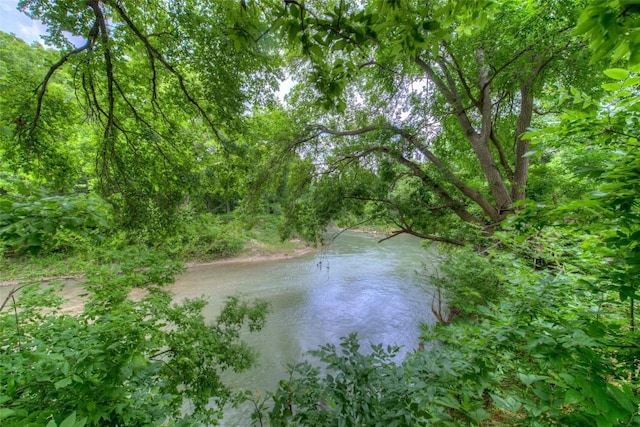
[(11, 294), (15, 312), (351, 227), (42, 88)]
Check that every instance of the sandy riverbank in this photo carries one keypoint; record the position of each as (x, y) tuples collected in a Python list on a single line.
[(248, 257)]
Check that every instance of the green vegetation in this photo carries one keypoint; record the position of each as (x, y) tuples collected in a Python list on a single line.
[(202, 238), (121, 361), (506, 131)]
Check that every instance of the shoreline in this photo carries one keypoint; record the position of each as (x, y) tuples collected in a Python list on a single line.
[(252, 258), (240, 259)]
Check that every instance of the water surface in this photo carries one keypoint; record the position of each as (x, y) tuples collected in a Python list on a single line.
[(355, 284)]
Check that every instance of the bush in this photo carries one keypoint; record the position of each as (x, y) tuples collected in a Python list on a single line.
[(355, 389), (120, 361), (32, 221), (463, 281), (204, 237)]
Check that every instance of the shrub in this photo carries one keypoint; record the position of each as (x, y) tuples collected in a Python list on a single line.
[(463, 281), (32, 221), (120, 361)]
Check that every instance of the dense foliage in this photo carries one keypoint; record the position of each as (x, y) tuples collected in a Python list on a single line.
[(130, 357), (506, 130), (428, 106), (33, 221)]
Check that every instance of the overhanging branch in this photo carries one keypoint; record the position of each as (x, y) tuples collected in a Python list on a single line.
[(152, 52), (431, 237), (417, 170), (42, 88)]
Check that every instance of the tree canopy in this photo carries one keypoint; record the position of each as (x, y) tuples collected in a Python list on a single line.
[(508, 124), (436, 97), (160, 85)]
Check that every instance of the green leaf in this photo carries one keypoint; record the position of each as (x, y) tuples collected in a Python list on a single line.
[(339, 45), (530, 379), (63, 383), (70, 421), (6, 412), (612, 86), (625, 400), (601, 400), (478, 415), (573, 396), (316, 51), (616, 73), (508, 403), (631, 82)]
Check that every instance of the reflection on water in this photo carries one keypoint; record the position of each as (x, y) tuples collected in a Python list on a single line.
[(353, 285)]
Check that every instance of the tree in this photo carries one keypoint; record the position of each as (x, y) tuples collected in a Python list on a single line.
[(153, 80), (611, 28), (60, 165), (437, 94)]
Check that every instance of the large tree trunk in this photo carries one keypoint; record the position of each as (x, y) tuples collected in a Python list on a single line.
[(521, 170)]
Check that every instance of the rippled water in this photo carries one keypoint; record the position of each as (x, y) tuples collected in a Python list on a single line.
[(353, 285)]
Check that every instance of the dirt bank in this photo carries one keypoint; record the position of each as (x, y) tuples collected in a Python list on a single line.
[(247, 257)]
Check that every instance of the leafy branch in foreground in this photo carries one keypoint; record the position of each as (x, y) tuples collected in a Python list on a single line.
[(131, 357), (160, 94)]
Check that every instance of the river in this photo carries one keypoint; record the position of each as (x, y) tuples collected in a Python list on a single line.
[(354, 284)]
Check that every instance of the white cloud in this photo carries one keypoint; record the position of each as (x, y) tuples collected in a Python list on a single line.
[(7, 5), (30, 31), (16, 22)]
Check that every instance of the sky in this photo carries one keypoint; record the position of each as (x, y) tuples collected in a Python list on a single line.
[(16, 22)]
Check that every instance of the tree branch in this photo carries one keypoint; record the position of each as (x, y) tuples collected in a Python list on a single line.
[(418, 172), (104, 35), (515, 57), (461, 77), (42, 87), (405, 227), (521, 168), (12, 292), (425, 237), (469, 192), (451, 95), (155, 53), (354, 132), (503, 157), (485, 95), (429, 182)]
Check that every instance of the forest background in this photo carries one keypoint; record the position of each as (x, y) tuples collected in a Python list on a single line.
[(503, 131)]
